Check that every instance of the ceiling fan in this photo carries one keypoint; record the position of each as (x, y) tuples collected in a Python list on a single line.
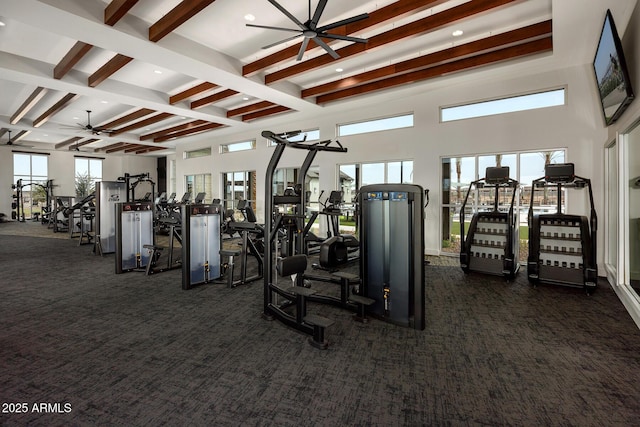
[(310, 30), (11, 142), (95, 130)]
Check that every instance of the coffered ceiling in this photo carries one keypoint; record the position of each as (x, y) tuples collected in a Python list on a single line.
[(158, 73)]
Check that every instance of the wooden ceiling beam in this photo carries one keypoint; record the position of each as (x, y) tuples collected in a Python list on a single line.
[(151, 120), (108, 69), (149, 149), (130, 148), (75, 54), (112, 146), (218, 96), (412, 29), (83, 143), (188, 132), (67, 142), (189, 93), (250, 108), (27, 105), (395, 10), (128, 118), (116, 10), (164, 132), (66, 100), (180, 14), (20, 135), (447, 55), (512, 52), (118, 148), (264, 113)]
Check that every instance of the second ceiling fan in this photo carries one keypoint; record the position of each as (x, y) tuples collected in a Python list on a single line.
[(310, 30)]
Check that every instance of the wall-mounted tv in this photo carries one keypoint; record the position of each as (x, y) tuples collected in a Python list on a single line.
[(612, 75)]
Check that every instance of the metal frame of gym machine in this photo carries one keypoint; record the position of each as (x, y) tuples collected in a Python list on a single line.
[(298, 295), (494, 236), (575, 266)]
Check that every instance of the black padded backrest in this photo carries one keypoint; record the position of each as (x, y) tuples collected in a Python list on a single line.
[(294, 264), (559, 172), (497, 175), (251, 215), (185, 197), (242, 204)]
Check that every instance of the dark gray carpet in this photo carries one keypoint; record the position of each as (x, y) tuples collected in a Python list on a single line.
[(135, 350)]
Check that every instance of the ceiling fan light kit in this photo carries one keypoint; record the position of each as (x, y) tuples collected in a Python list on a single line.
[(310, 30)]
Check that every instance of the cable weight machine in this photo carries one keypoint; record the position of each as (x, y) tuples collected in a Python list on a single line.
[(134, 231)]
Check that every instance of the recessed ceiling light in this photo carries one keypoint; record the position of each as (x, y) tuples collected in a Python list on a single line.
[(46, 134), (76, 118), (2, 24), (457, 33), (104, 102), (157, 71), (249, 17), (245, 98)]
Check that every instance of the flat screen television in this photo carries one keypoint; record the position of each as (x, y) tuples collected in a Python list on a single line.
[(612, 74)]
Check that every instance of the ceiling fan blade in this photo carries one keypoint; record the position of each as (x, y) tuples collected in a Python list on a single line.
[(326, 47), (281, 41), (293, 30), (289, 15), (303, 48), (343, 22), (317, 14), (339, 37)]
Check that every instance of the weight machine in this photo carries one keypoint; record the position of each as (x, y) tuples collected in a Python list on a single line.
[(134, 231), (392, 252), (17, 205), (201, 244), (131, 186), (289, 304), (492, 245), (562, 247)]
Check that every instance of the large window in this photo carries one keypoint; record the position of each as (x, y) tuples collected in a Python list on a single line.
[(32, 169), (511, 104), (88, 172), (238, 146), (239, 186), (459, 172), (199, 184), (200, 152), (376, 125)]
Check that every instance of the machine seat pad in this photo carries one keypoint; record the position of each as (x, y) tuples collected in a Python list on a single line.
[(348, 276), (315, 320), (359, 299), (230, 252)]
